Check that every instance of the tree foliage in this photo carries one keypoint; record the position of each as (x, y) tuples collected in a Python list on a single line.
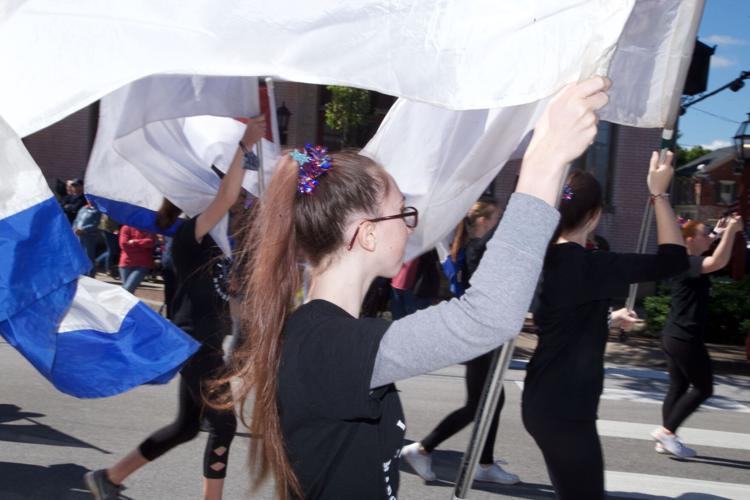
[(347, 111), (685, 156)]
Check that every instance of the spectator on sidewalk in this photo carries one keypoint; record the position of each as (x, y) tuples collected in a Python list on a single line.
[(108, 260), (86, 225), (74, 200), (136, 256)]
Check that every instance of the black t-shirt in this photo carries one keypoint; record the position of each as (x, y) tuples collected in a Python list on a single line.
[(565, 375), (201, 299), (688, 314), (343, 438)]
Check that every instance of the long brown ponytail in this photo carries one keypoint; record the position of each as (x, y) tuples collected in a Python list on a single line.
[(482, 208), (288, 227)]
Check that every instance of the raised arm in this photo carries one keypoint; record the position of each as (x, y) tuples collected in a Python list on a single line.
[(659, 177), (492, 310), (720, 258), (231, 184)]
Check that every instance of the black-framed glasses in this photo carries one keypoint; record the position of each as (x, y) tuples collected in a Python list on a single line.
[(409, 214)]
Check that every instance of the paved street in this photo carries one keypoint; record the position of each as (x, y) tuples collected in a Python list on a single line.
[(49, 440)]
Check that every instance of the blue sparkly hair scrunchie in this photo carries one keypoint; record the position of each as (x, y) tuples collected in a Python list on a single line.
[(313, 163)]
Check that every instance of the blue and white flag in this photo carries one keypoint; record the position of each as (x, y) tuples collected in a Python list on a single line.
[(89, 339)]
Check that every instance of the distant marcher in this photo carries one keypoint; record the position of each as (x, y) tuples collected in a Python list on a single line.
[(683, 337), (471, 241)]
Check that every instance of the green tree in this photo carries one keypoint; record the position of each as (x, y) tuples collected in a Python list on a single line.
[(347, 111), (685, 156)]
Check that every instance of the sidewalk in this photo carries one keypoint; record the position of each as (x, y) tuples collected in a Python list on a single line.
[(644, 351)]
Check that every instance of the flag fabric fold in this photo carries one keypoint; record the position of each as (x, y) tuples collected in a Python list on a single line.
[(159, 138), (89, 339)]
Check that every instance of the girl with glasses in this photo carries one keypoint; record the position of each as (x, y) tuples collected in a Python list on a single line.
[(325, 408)]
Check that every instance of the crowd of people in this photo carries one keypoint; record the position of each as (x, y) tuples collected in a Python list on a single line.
[(319, 379)]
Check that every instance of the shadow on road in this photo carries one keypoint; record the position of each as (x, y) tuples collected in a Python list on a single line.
[(17, 426), (685, 496), (37, 482), (445, 464)]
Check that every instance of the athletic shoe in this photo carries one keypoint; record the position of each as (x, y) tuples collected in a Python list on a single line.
[(495, 474), (672, 444), (420, 462), (100, 485), (659, 448)]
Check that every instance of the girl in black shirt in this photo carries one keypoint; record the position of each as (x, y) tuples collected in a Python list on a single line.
[(564, 378), (479, 224), (688, 362), (201, 309), (326, 413)]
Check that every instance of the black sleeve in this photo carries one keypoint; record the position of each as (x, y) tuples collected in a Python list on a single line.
[(184, 237), (612, 273), (337, 368)]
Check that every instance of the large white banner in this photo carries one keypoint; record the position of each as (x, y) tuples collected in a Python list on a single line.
[(60, 55)]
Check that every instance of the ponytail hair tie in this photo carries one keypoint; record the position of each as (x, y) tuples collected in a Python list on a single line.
[(567, 192), (313, 163)]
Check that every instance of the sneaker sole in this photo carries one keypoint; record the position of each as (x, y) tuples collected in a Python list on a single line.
[(504, 483), (88, 478), (428, 479)]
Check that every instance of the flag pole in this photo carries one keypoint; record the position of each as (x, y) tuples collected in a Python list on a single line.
[(271, 92), (668, 136)]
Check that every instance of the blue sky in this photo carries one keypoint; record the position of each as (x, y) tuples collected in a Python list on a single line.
[(726, 24)]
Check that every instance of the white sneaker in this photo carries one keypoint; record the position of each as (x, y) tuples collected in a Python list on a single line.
[(672, 444), (495, 474), (659, 448), (421, 463)]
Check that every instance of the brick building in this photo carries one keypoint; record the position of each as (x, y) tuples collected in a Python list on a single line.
[(708, 186)]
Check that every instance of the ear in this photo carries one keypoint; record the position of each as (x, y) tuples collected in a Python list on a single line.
[(366, 238)]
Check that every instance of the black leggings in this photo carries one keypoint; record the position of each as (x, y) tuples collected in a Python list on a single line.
[(689, 365), (194, 375), (572, 452), (477, 371)]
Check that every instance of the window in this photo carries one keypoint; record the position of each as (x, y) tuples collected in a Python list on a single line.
[(597, 160), (727, 192)]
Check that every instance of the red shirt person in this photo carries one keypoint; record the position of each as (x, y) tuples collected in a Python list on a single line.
[(136, 256)]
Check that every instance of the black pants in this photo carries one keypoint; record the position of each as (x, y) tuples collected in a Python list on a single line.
[(194, 376), (689, 365), (477, 371), (572, 452)]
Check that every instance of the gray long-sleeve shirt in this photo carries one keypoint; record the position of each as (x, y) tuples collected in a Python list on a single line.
[(489, 314)]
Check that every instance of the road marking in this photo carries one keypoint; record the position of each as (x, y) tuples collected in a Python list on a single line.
[(690, 436), (631, 485), (657, 397)]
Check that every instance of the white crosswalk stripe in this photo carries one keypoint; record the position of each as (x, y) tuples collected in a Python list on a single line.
[(695, 437), (657, 397), (631, 485)]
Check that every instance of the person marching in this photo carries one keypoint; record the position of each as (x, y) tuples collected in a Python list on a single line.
[(325, 408), (479, 225), (683, 336), (200, 308), (565, 376)]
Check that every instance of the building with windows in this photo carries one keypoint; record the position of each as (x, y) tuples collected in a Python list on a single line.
[(707, 187)]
